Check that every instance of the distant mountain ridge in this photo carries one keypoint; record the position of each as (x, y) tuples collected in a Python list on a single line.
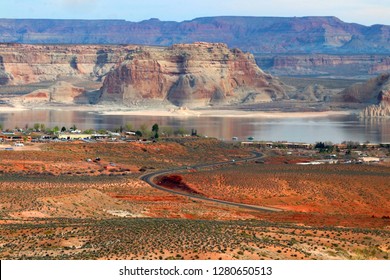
[(254, 34)]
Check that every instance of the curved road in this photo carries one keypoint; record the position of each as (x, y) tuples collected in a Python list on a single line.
[(148, 178)]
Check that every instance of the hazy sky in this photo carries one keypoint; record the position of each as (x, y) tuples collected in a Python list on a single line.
[(366, 12)]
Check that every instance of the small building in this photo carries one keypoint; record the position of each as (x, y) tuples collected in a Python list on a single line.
[(384, 145), (77, 136), (98, 136), (12, 137), (369, 159), (286, 145), (320, 161)]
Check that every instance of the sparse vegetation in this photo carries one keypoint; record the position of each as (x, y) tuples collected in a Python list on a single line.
[(56, 204)]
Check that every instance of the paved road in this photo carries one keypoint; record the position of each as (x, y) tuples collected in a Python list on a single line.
[(148, 178)]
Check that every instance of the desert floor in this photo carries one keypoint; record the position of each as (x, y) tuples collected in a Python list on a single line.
[(57, 204)]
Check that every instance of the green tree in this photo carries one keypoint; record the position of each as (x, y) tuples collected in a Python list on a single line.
[(37, 126), (144, 130), (181, 131), (89, 131), (138, 133), (56, 129), (42, 127), (63, 129), (155, 129), (167, 131), (128, 127), (319, 145), (119, 129), (324, 147)]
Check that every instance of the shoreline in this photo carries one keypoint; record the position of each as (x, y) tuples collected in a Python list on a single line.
[(228, 113), (180, 112)]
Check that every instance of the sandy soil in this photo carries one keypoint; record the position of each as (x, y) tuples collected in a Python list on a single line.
[(7, 109), (177, 112), (27, 147), (227, 113), (56, 205)]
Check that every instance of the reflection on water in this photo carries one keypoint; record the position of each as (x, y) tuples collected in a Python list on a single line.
[(310, 130)]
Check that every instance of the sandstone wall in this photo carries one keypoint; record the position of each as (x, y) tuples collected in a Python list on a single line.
[(375, 93), (190, 75), (61, 92), (367, 92), (23, 64), (324, 64)]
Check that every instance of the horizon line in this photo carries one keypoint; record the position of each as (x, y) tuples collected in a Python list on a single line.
[(188, 20)]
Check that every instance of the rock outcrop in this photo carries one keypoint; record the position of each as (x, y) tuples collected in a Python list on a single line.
[(313, 92), (24, 64), (61, 92), (375, 92), (370, 92), (382, 66), (380, 110), (196, 74)]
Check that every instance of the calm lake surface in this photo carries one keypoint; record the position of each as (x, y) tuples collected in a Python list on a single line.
[(310, 130)]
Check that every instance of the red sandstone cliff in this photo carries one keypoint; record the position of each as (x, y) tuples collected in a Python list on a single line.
[(196, 74)]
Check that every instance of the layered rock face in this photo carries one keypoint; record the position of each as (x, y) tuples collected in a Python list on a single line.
[(61, 92), (324, 64), (375, 91), (311, 93), (382, 109), (371, 91), (196, 74), (382, 66), (24, 64)]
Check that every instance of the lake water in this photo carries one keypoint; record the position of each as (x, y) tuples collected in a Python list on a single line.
[(310, 130)]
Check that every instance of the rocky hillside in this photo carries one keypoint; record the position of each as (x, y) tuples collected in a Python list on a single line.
[(24, 64), (255, 34), (375, 92), (324, 64), (61, 92), (196, 74)]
